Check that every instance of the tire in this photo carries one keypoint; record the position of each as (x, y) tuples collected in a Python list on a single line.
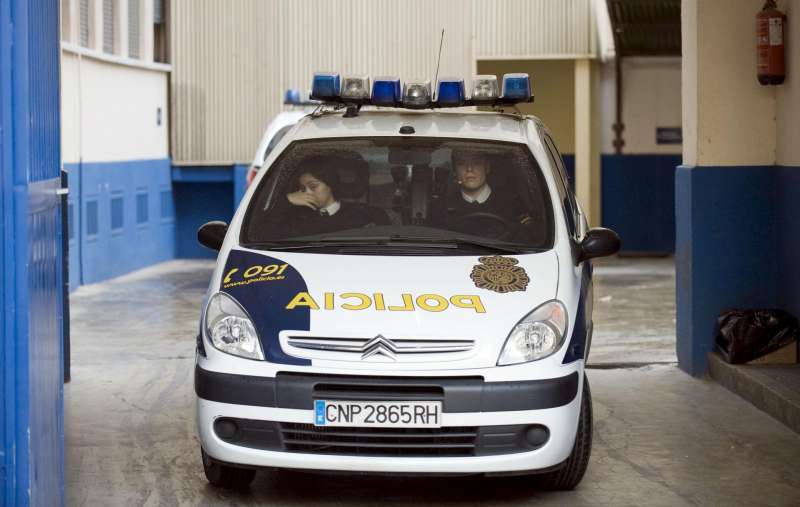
[(568, 476), (225, 476)]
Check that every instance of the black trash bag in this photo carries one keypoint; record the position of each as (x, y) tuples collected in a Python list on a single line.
[(745, 335)]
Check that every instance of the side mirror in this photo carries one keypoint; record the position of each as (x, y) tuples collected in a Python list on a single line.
[(212, 234), (598, 242)]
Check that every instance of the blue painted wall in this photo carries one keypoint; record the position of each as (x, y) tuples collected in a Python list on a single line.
[(203, 194), (122, 218), (126, 215), (787, 217), (638, 201), (31, 354), (196, 204), (737, 244)]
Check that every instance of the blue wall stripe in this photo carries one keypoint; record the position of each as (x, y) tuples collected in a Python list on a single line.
[(239, 183), (196, 204), (134, 195), (638, 200), (203, 194), (787, 218), (202, 174), (728, 250)]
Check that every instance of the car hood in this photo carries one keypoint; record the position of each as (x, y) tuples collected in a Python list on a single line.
[(378, 306)]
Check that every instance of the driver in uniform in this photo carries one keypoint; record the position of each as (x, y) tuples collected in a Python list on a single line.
[(476, 196)]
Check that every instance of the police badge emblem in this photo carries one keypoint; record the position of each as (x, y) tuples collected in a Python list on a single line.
[(500, 274)]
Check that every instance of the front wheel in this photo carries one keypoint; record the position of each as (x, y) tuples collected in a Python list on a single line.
[(568, 476), (225, 476)]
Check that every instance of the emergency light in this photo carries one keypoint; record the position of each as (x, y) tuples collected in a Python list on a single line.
[(292, 97), (326, 86), (450, 92), (355, 88), (417, 95), (386, 91), (485, 89), (516, 88), (329, 87)]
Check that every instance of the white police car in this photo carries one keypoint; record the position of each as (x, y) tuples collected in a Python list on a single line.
[(278, 128), (402, 291)]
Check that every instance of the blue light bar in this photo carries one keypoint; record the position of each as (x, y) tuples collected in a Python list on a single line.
[(516, 88), (292, 97), (325, 86), (386, 91), (451, 92)]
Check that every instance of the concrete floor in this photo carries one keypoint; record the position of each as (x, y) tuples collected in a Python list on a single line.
[(634, 311), (661, 437)]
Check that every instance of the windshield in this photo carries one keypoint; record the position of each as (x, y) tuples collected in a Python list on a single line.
[(414, 194)]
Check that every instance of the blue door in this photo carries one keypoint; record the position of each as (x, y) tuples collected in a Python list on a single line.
[(31, 351)]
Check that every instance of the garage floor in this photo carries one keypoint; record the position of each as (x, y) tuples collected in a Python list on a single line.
[(661, 437)]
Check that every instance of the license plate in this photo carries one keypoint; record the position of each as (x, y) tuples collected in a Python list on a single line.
[(378, 414)]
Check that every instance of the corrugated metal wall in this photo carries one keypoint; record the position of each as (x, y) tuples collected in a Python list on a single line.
[(514, 29), (233, 60)]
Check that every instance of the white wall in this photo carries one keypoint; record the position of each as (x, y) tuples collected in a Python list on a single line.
[(109, 111), (651, 98), (109, 102), (730, 117)]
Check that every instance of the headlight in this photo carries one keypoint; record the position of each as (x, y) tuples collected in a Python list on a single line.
[(538, 335), (230, 329)]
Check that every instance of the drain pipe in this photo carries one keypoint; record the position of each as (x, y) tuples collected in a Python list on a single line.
[(618, 126)]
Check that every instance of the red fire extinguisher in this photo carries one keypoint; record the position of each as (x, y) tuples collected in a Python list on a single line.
[(771, 30)]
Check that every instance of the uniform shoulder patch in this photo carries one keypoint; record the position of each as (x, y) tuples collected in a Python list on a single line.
[(499, 274)]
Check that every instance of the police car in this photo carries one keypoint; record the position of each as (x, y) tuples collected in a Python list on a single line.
[(278, 128), (403, 289)]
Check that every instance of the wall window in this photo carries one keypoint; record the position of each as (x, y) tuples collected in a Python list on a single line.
[(166, 204), (91, 218), (66, 34), (108, 26), (142, 214), (117, 213), (133, 28), (160, 38), (84, 23)]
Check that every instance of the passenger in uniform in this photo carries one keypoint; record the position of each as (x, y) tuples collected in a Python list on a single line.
[(475, 195), (315, 208)]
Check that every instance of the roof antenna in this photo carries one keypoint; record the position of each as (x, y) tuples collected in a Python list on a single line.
[(438, 61)]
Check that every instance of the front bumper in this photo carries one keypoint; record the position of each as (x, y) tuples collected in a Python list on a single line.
[(498, 413)]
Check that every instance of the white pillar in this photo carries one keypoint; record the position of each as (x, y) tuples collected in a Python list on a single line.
[(146, 30), (121, 27), (96, 24), (587, 141), (728, 118)]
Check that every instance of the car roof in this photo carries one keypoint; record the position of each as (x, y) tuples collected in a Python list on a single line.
[(477, 125)]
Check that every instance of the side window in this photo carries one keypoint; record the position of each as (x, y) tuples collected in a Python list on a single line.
[(275, 140), (564, 191)]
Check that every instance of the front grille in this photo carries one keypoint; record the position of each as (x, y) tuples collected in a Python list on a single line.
[(378, 348), (378, 391), (450, 441)]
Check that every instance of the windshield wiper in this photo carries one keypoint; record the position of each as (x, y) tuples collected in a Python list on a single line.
[(284, 245), (395, 240)]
